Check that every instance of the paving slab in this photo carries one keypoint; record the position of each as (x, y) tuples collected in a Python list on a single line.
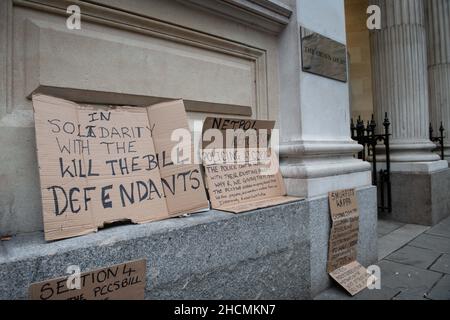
[(387, 226), (441, 229), (398, 238), (442, 289), (411, 281), (413, 256), (435, 243), (338, 293), (333, 293), (413, 294), (385, 293), (442, 264)]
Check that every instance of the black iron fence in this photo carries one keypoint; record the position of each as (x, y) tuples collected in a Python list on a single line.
[(439, 140), (365, 135), (372, 143)]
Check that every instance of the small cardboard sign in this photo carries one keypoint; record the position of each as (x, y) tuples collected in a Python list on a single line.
[(99, 165), (353, 277), (241, 176), (344, 231), (342, 249), (126, 281)]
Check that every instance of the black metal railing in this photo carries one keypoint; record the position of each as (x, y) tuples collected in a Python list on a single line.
[(366, 136), (439, 140)]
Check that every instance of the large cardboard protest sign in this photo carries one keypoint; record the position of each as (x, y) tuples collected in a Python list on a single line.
[(242, 173), (99, 165), (342, 249), (126, 281)]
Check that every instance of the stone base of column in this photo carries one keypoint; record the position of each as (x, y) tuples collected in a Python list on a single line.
[(312, 169), (420, 197), (417, 167), (313, 187)]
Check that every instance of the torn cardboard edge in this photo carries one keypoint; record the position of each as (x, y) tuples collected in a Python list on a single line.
[(146, 130), (342, 247), (124, 281)]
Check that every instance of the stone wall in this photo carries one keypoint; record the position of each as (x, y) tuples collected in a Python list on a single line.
[(272, 253), (127, 53)]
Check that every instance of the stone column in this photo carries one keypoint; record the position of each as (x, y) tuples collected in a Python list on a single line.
[(438, 34), (400, 83), (419, 178), (316, 151)]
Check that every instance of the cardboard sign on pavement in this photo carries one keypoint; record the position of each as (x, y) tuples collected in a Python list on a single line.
[(342, 249)]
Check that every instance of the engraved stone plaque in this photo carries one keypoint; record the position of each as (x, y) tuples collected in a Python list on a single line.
[(323, 56)]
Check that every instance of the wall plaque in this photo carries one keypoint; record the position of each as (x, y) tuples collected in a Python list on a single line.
[(323, 56)]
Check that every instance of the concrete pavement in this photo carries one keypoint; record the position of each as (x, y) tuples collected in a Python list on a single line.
[(414, 262)]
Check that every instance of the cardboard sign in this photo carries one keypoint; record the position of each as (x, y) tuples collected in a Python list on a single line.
[(260, 132), (353, 277), (126, 281), (342, 249), (101, 165), (246, 176), (344, 230)]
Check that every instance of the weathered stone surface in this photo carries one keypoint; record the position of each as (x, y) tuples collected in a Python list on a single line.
[(416, 295), (442, 290), (338, 293), (387, 226), (441, 229), (442, 264), (264, 254), (397, 239), (435, 243), (411, 281), (420, 198), (213, 254), (333, 293), (413, 256)]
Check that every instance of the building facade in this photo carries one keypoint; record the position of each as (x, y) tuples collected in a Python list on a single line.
[(239, 59)]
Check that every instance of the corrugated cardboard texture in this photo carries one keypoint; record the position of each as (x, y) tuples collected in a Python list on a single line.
[(126, 281), (353, 277), (239, 183), (342, 249), (104, 164)]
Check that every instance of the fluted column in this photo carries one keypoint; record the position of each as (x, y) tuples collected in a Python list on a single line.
[(316, 150), (400, 81), (438, 34)]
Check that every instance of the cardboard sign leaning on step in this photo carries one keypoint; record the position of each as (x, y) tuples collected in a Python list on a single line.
[(99, 165), (241, 171), (342, 249)]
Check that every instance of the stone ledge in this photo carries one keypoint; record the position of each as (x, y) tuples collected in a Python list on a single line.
[(273, 253), (267, 15), (206, 255)]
